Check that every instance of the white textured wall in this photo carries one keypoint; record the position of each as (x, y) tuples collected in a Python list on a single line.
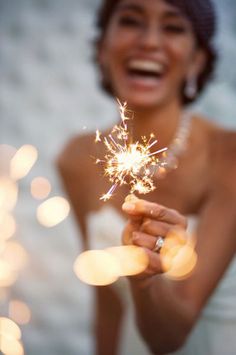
[(48, 92)]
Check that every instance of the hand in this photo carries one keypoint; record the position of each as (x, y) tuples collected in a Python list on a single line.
[(148, 221)]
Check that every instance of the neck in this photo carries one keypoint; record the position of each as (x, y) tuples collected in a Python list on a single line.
[(162, 122)]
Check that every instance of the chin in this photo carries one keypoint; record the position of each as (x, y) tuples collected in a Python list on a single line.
[(140, 101), (140, 97)]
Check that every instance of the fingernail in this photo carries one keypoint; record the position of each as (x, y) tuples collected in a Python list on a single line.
[(127, 206)]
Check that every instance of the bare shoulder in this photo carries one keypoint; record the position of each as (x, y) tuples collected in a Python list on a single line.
[(75, 155), (77, 168), (218, 146), (221, 141)]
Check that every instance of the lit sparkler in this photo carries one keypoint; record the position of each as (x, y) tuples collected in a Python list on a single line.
[(128, 162)]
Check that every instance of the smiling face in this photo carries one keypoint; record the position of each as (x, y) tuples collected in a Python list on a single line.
[(148, 51)]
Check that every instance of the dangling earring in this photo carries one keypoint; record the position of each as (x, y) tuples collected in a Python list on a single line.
[(191, 87)]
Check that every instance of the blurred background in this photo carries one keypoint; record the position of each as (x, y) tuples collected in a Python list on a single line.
[(49, 92)]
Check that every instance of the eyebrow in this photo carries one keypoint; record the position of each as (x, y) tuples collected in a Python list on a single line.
[(130, 7), (175, 13), (170, 13)]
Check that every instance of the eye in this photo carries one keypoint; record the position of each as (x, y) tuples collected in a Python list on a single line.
[(174, 28), (129, 21)]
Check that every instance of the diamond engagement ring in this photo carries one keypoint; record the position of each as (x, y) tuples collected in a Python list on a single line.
[(159, 244)]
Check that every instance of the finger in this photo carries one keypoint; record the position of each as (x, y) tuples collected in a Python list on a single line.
[(144, 240), (154, 211), (130, 227), (155, 264), (154, 267), (150, 226)]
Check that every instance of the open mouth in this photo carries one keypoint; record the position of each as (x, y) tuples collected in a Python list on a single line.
[(145, 69)]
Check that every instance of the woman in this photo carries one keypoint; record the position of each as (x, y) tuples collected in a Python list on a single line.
[(158, 56)]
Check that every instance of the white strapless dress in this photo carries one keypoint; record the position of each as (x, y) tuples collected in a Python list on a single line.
[(214, 333)]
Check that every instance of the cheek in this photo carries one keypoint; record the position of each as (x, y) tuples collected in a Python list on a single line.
[(182, 52), (118, 48), (119, 41), (182, 56)]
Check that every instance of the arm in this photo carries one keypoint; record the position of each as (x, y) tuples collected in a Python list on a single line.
[(167, 310), (71, 165)]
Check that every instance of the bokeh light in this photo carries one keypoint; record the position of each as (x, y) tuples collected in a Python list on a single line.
[(23, 161), (2, 245), (7, 274), (3, 295), (9, 328), (6, 154), (10, 335), (132, 260), (15, 255), (53, 211), (40, 188), (8, 193), (178, 255), (182, 264), (11, 346), (7, 226), (97, 267), (19, 312)]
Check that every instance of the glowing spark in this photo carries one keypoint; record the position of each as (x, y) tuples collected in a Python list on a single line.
[(98, 136), (126, 162), (108, 195)]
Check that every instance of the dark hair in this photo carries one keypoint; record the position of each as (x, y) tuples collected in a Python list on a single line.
[(201, 14)]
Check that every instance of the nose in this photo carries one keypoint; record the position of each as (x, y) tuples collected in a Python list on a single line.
[(151, 38)]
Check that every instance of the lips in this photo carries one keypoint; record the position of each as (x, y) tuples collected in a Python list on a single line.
[(145, 68), (145, 73)]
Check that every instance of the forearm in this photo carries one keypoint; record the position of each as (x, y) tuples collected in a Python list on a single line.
[(166, 310), (164, 317)]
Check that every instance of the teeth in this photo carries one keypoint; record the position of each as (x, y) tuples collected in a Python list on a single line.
[(146, 65)]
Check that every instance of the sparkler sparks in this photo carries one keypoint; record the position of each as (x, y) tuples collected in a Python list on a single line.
[(126, 162), (98, 136)]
